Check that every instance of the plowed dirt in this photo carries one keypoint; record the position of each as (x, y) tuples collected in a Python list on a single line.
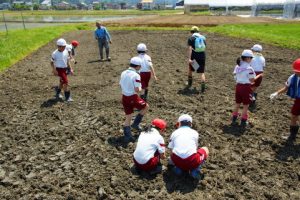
[(55, 150)]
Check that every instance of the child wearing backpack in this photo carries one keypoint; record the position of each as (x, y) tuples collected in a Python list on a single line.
[(196, 56)]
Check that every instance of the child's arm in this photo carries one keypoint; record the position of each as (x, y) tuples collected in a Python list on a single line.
[(153, 73), (53, 68), (280, 91), (189, 54)]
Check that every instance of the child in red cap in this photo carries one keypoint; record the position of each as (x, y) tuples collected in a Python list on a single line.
[(150, 147), (292, 87)]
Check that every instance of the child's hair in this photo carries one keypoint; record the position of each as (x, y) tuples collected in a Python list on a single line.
[(148, 128), (185, 123), (239, 59), (133, 65), (139, 52)]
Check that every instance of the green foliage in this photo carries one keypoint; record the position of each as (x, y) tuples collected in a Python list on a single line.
[(285, 35), (18, 44), (93, 12)]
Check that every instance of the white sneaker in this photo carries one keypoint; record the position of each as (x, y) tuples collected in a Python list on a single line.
[(70, 99), (60, 96)]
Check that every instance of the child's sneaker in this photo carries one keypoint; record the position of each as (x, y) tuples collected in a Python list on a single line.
[(177, 171), (69, 99), (109, 59), (137, 127)]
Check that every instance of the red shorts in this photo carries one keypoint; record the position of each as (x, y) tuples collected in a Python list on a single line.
[(151, 164), (296, 107), (258, 81), (243, 93), (62, 73), (131, 102), (145, 78), (191, 162)]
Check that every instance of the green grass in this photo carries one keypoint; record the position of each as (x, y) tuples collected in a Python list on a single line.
[(91, 12), (20, 43), (17, 44), (284, 35)]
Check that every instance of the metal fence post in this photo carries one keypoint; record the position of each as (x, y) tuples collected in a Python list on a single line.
[(5, 23)]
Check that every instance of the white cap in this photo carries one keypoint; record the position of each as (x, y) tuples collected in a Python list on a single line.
[(247, 53), (141, 47), (61, 42), (257, 47), (185, 117), (136, 61)]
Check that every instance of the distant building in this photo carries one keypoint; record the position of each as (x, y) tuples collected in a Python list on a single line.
[(45, 5), (147, 4), (5, 6), (63, 5), (195, 5)]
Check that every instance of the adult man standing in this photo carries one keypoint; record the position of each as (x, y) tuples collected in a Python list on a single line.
[(196, 56), (103, 37), (131, 85)]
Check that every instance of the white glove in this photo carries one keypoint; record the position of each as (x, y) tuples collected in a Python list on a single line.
[(274, 95)]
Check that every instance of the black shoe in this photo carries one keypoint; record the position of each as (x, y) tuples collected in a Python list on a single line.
[(244, 123), (137, 127), (156, 170), (128, 139), (203, 87), (234, 121)]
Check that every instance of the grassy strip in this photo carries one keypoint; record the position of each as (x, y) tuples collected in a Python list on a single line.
[(90, 12), (20, 43), (17, 44), (284, 35)]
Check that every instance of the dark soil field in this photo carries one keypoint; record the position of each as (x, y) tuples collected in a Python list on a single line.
[(55, 150)]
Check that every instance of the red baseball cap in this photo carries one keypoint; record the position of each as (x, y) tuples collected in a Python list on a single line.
[(75, 43), (159, 123), (296, 65)]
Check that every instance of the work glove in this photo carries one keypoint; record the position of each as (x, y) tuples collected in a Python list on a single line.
[(274, 95)]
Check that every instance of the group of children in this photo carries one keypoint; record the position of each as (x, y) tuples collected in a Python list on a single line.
[(185, 155), (61, 63)]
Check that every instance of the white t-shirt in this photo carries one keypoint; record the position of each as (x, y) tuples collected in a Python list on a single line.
[(289, 81), (184, 142), (148, 143), (146, 63), (243, 73), (69, 47), (258, 63), (60, 59), (130, 79)]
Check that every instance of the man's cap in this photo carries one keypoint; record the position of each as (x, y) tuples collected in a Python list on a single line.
[(141, 47), (195, 29), (61, 42), (247, 53), (136, 61), (159, 123), (185, 117), (257, 47)]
